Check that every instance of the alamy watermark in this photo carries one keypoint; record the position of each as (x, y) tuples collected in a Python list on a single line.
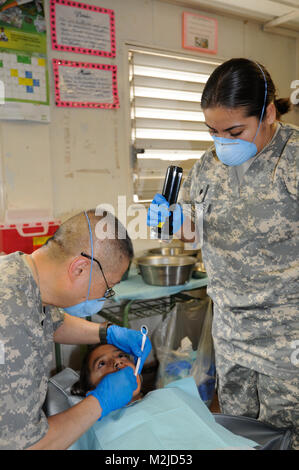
[(133, 219), (295, 94)]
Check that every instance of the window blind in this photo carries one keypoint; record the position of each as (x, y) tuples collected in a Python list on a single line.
[(167, 122)]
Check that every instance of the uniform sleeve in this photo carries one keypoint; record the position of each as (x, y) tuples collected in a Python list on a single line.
[(291, 173), (22, 421), (287, 168), (26, 333)]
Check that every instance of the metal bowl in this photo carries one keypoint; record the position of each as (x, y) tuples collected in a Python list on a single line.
[(173, 251), (199, 271), (166, 270)]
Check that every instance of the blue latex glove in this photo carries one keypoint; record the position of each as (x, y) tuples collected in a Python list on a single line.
[(115, 390), (130, 342), (158, 212), (175, 368)]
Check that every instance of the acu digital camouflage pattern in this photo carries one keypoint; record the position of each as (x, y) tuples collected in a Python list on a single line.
[(245, 392), (27, 334), (251, 253)]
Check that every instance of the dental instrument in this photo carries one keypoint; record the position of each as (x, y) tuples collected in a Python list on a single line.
[(144, 331)]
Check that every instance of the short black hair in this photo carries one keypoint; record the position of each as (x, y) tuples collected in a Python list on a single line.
[(73, 237)]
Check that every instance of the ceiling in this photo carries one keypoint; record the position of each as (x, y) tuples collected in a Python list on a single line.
[(281, 15)]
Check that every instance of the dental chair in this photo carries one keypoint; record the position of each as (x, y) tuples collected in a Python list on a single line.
[(59, 399)]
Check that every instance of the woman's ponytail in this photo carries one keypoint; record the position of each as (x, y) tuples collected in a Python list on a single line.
[(283, 106), (241, 83)]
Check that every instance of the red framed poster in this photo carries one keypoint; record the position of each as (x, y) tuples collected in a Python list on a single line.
[(82, 28), (200, 33), (85, 85)]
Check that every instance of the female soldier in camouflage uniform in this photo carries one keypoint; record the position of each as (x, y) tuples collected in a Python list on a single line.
[(242, 199)]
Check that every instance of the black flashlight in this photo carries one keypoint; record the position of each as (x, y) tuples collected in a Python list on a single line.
[(170, 191)]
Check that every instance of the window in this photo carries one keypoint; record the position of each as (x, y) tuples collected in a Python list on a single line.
[(167, 120)]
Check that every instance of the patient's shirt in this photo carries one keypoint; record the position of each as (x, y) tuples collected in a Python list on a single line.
[(172, 418)]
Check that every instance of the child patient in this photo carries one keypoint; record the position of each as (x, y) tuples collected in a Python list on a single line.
[(100, 360), (171, 418)]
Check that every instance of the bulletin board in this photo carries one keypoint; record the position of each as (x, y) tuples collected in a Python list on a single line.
[(82, 28), (200, 33), (85, 85)]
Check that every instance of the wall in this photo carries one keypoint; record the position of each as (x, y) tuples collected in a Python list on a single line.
[(81, 159)]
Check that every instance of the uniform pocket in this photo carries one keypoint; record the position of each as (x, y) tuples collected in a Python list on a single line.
[(199, 217), (201, 206)]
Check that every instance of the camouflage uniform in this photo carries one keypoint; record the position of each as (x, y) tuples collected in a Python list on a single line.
[(250, 248), (26, 333)]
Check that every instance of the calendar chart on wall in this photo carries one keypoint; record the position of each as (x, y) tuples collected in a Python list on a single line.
[(24, 78), (23, 63)]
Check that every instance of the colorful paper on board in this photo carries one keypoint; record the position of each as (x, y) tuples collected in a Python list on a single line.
[(6, 4), (23, 62)]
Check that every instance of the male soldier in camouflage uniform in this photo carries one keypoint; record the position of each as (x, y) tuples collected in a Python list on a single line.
[(56, 275)]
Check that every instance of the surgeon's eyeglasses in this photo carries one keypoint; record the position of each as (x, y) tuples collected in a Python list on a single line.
[(109, 292)]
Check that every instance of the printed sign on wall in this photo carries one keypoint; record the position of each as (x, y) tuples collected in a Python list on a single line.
[(85, 85), (81, 28), (200, 33)]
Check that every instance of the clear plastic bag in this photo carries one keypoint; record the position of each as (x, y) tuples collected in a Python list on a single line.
[(183, 345)]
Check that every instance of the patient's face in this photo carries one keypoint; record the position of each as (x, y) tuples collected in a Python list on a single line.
[(106, 359)]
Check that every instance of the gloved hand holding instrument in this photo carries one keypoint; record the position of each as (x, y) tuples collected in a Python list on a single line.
[(131, 342), (165, 216)]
